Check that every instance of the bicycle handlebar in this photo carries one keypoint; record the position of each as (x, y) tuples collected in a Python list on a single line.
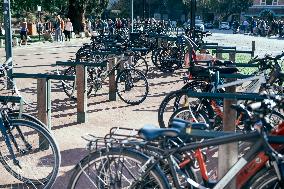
[(265, 58)]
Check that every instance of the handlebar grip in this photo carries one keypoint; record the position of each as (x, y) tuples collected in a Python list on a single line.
[(254, 106)]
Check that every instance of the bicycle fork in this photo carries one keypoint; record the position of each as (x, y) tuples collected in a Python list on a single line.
[(8, 142)]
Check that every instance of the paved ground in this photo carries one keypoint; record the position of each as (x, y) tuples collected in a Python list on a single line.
[(103, 114)]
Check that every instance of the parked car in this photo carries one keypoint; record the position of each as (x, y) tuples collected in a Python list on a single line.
[(199, 25), (224, 26), (208, 25)]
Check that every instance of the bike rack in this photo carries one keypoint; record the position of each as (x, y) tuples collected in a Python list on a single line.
[(43, 93), (81, 84)]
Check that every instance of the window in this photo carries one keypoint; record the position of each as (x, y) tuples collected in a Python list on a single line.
[(263, 2), (275, 2), (269, 2)]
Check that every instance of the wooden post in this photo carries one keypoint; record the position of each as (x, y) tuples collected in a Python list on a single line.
[(2, 43), (232, 56), (81, 80), (218, 53), (112, 88), (228, 153), (252, 48), (159, 42), (43, 107)]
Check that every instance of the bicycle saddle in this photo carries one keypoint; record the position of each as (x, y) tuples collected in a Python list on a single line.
[(139, 49), (183, 124), (150, 132), (223, 63)]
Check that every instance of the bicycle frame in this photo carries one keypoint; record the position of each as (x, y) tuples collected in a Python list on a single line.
[(242, 162), (256, 82)]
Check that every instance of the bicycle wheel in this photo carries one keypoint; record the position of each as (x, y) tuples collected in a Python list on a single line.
[(264, 179), (37, 152), (132, 86), (140, 64), (27, 117), (116, 168), (178, 99), (185, 114), (69, 87)]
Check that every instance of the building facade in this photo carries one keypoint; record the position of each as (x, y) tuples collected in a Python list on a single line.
[(276, 7)]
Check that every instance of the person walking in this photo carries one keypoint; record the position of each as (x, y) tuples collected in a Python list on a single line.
[(24, 32), (68, 29), (57, 28)]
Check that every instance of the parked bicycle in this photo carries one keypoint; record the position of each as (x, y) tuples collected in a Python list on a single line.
[(140, 162), (131, 84), (28, 150)]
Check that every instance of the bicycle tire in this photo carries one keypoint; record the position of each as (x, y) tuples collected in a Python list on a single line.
[(167, 64), (263, 179), (172, 102), (27, 117), (69, 87), (106, 158), (140, 64), (130, 81), (28, 175), (183, 113)]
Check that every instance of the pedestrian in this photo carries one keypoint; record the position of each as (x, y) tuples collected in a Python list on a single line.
[(245, 25), (110, 27), (57, 28), (68, 29), (24, 32)]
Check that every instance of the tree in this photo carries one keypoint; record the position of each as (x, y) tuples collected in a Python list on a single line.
[(78, 9), (224, 8)]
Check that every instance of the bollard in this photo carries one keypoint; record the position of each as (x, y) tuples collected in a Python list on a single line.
[(2, 43), (228, 153), (44, 107), (81, 80), (112, 88), (232, 56), (252, 48)]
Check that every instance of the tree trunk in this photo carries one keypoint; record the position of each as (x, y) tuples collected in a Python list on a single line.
[(76, 14)]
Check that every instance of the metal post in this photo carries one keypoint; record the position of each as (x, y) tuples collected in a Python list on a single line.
[(132, 16), (8, 34), (144, 11), (112, 86), (192, 17)]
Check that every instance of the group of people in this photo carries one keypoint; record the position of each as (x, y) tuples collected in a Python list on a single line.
[(261, 27), (59, 27), (109, 25), (62, 28)]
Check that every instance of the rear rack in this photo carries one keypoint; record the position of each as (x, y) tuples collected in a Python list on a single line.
[(117, 136)]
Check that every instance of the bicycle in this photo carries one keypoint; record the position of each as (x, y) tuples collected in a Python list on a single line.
[(131, 84), (28, 151), (122, 165), (210, 110), (89, 52)]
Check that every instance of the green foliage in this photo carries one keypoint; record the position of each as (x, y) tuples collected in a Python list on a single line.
[(224, 7), (151, 7)]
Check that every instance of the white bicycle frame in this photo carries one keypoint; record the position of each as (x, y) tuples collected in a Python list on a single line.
[(253, 86)]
